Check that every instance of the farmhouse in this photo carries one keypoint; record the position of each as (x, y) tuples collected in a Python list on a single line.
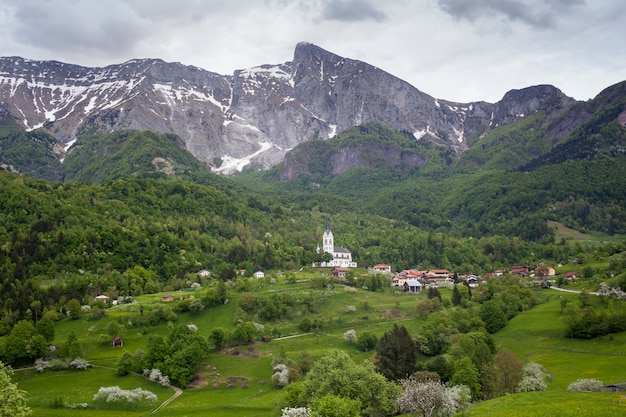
[(438, 277), (342, 257), (400, 278), (521, 270), (340, 272), (259, 274), (571, 276), (382, 268)]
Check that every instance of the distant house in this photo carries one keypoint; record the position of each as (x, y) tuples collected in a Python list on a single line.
[(400, 278), (117, 342), (472, 280), (340, 272), (259, 274), (412, 285), (204, 273), (382, 268), (521, 270), (102, 298), (439, 277), (571, 275), (167, 298)]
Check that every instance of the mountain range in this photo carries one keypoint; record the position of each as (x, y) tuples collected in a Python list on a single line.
[(257, 115)]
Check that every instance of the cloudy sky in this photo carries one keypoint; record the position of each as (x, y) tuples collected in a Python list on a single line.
[(460, 50)]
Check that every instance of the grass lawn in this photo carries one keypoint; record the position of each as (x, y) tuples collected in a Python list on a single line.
[(239, 383), (79, 387)]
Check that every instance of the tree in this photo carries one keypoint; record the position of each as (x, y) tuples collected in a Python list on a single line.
[(125, 364), (218, 337), (336, 374), (334, 406), (425, 398), (244, 333), (12, 399), (45, 327), (350, 335), (72, 348), (74, 310), (367, 341), (456, 296), (465, 373), (396, 354), (493, 316), (23, 344), (510, 370), (587, 272)]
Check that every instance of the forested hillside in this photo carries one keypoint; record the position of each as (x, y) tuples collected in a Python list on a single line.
[(132, 236)]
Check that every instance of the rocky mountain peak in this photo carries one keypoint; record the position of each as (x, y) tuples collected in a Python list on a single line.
[(251, 118)]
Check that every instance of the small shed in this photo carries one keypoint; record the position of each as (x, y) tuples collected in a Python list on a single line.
[(117, 342), (259, 274), (167, 298), (412, 285), (102, 298)]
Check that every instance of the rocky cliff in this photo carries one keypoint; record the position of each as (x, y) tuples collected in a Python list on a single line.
[(254, 116)]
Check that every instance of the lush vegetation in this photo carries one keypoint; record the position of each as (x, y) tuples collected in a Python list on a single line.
[(174, 247)]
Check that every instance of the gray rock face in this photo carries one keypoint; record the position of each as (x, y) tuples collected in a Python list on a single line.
[(254, 116)]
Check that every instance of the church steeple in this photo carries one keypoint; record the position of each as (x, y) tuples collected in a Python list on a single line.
[(328, 240)]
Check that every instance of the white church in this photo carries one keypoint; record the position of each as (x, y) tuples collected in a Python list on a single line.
[(342, 257)]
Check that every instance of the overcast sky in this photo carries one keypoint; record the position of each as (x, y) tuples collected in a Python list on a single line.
[(460, 50)]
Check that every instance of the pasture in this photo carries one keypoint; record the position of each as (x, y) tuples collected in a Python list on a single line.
[(237, 381)]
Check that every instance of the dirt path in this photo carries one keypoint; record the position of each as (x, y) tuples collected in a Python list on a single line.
[(177, 392), (575, 291)]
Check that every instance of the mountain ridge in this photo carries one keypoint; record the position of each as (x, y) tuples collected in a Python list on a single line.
[(253, 117)]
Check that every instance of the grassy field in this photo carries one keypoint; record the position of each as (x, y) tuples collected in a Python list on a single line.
[(238, 383), (563, 232), (537, 336)]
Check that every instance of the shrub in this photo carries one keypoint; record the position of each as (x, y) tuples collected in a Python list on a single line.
[(155, 375), (57, 403), (586, 385), (80, 363), (350, 335), (114, 394), (280, 376), (296, 412), (367, 341), (535, 378)]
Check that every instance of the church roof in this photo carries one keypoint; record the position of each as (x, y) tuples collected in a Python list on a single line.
[(342, 250)]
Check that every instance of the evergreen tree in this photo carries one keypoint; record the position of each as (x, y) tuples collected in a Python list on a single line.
[(456, 296), (396, 354)]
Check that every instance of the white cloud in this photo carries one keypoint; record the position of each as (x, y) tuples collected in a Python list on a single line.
[(459, 50)]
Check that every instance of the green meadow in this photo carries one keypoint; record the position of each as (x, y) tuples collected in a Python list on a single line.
[(237, 381)]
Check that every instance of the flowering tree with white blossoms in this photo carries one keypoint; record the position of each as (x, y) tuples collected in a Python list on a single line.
[(115, 394), (586, 385), (432, 398), (350, 335), (296, 412), (280, 376), (535, 377), (155, 375)]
